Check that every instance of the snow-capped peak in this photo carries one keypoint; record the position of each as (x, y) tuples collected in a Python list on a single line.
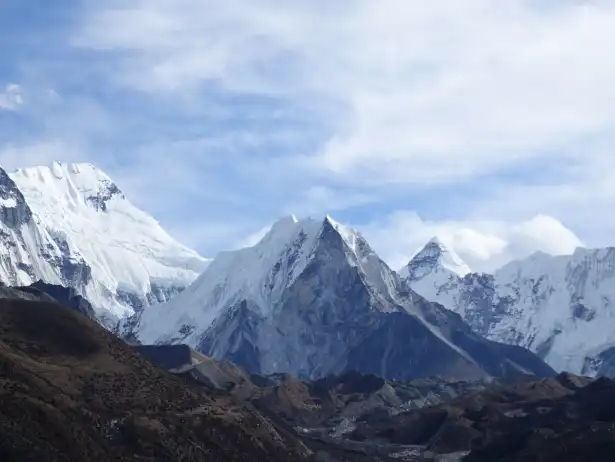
[(434, 267), (260, 273), (433, 256), (129, 259), (349, 235), (79, 184)]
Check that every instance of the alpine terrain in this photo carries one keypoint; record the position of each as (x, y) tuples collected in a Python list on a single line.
[(312, 299), (560, 307), (70, 225)]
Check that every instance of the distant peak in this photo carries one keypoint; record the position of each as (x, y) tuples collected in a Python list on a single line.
[(437, 253), (337, 225)]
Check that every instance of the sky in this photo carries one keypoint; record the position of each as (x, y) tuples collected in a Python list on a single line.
[(490, 124)]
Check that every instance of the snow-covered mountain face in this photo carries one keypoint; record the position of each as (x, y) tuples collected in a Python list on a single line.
[(28, 251), (435, 257), (561, 307), (69, 224), (312, 299)]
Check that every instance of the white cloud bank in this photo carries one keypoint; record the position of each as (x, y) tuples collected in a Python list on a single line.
[(483, 245), (431, 91)]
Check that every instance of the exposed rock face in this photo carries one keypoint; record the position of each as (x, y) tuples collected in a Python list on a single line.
[(313, 299), (170, 357)]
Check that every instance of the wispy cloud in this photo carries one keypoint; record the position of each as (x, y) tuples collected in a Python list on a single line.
[(434, 91), (11, 98)]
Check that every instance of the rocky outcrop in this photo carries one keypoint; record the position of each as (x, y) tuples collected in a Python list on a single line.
[(65, 296)]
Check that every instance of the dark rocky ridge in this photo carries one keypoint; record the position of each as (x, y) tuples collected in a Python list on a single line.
[(322, 412), (51, 293), (65, 296), (59, 370), (169, 357)]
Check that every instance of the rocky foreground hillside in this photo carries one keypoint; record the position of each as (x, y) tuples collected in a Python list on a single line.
[(71, 391)]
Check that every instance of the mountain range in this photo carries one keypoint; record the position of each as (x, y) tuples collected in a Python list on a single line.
[(304, 346), (311, 298)]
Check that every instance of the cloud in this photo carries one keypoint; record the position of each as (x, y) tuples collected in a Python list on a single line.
[(430, 92), (11, 98), (483, 245), (218, 117), (491, 109)]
